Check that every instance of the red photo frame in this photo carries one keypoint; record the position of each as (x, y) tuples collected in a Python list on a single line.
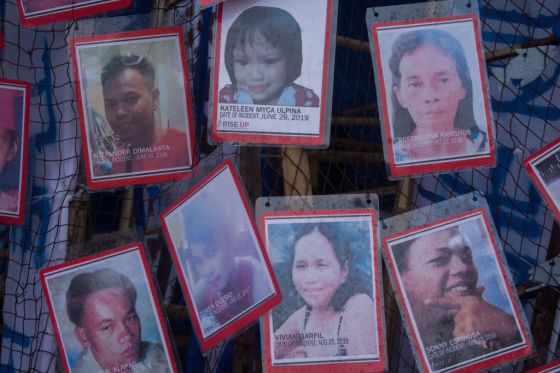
[(460, 101), (553, 367), (67, 287), (140, 129), (455, 245), (541, 168), (274, 109), (223, 268), (38, 12), (209, 3), (14, 131), (281, 231)]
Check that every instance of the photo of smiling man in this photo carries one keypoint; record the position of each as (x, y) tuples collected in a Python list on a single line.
[(455, 294)]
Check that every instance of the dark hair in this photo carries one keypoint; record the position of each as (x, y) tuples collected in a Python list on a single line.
[(120, 63), (400, 251), (88, 283), (355, 282), (278, 27), (403, 124)]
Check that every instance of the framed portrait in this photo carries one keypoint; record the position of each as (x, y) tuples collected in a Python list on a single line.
[(221, 263), (544, 169), (105, 313), (273, 88), (455, 295), (328, 267), (14, 134), (37, 12), (433, 95), (553, 367), (135, 106)]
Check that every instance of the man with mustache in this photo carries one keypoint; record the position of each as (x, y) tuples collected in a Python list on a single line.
[(440, 280), (101, 304), (131, 101)]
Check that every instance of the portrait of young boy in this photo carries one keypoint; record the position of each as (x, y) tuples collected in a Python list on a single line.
[(13, 140), (106, 316), (223, 268), (135, 112)]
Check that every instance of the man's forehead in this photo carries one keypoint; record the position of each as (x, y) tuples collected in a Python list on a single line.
[(128, 76), (447, 238)]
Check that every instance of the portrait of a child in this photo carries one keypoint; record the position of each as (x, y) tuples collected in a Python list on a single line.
[(263, 57)]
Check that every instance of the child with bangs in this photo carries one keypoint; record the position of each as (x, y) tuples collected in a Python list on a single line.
[(263, 58)]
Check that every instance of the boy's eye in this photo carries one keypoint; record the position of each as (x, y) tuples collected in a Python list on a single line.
[(414, 85), (241, 62)]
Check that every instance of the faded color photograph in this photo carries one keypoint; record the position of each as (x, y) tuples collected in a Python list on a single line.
[(326, 273), (456, 294), (134, 105), (435, 92), (11, 129), (220, 258), (548, 169), (106, 317)]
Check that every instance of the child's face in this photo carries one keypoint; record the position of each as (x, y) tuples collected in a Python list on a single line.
[(8, 148), (213, 262), (260, 70)]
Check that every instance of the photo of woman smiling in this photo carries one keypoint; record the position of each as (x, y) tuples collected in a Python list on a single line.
[(327, 313), (263, 57)]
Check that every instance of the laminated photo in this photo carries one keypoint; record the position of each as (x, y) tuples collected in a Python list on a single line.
[(433, 95), (553, 367), (271, 71), (208, 3), (221, 263), (135, 106), (544, 169), (37, 12), (459, 307), (14, 133), (330, 318), (105, 314)]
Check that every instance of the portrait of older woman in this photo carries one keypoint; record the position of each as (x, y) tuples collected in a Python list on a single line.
[(433, 93), (432, 97)]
